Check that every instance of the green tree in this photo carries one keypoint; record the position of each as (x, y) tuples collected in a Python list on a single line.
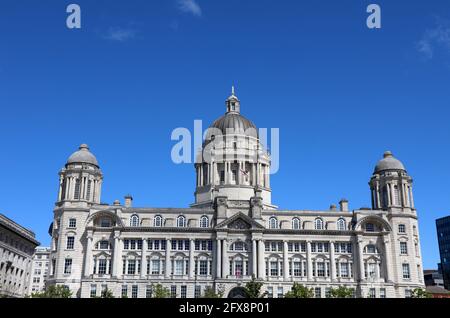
[(159, 291), (420, 293), (300, 291), (107, 293), (54, 291), (253, 289), (341, 292), (210, 292)]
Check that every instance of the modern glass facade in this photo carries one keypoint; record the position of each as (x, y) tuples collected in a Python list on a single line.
[(443, 232)]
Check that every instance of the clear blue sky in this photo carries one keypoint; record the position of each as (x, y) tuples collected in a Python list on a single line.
[(340, 93)]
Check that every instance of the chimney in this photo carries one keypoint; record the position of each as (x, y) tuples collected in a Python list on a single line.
[(333, 207), (343, 205), (128, 201)]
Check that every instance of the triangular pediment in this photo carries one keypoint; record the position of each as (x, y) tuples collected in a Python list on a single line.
[(239, 221)]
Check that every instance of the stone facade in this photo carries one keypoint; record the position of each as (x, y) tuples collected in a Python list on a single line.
[(17, 246), (233, 231), (39, 269)]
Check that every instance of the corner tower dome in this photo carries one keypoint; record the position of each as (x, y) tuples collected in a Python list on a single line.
[(389, 162), (83, 155)]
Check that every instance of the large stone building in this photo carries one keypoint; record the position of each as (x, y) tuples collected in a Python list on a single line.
[(233, 231), (17, 246), (39, 269)]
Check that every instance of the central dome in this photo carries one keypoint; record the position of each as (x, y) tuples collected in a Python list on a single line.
[(235, 123)]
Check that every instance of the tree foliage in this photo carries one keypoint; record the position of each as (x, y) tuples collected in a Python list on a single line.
[(54, 291), (210, 292), (341, 292), (159, 291), (420, 293), (300, 291), (253, 289)]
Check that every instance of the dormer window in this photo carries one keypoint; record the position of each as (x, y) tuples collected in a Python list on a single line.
[(134, 221)]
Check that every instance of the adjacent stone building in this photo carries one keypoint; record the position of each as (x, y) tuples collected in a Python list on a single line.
[(233, 231), (39, 269), (17, 246)]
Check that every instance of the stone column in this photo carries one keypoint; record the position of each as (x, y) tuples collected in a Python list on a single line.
[(88, 259), (377, 271), (412, 198), (360, 259), (389, 194), (332, 262), (191, 258), (285, 261), (308, 260), (144, 259), (218, 258), (225, 265), (117, 261), (168, 248), (377, 193), (254, 259), (261, 260), (387, 259)]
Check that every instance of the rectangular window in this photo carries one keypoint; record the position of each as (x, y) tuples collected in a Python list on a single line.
[(406, 272), (408, 293), (131, 267), (382, 293), (198, 291), (173, 291), (124, 291), (317, 292), (320, 269), (401, 228), (93, 291), (344, 269), (328, 292), (126, 244), (102, 266), (155, 267), (274, 268), (297, 269), (203, 267), (134, 291), (149, 291), (72, 223), (183, 292), (280, 293), (403, 248), (68, 266), (270, 292), (372, 293), (70, 242), (179, 267)]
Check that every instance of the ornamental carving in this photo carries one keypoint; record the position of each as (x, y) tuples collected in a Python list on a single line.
[(239, 224)]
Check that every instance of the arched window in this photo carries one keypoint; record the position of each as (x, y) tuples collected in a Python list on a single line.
[(273, 223), (204, 221), (318, 224), (370, 249), (296, 224), (341, 225), (157, 221), (134, 220), (181, 221), (385, 197)]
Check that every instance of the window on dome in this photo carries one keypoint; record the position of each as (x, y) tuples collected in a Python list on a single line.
[(157, 221), (318, 224), (181, 221), (134, 220), (296, 224), (204, 221), (341, 225), (77, 189), (273, 223)]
